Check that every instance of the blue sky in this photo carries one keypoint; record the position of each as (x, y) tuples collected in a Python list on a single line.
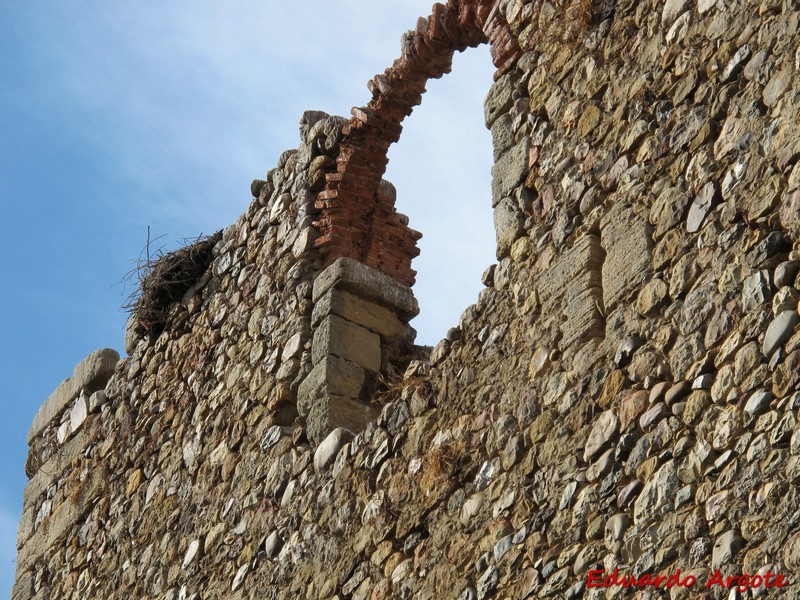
[(118, 116)]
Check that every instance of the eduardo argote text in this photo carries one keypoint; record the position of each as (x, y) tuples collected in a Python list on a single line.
[(598, 578)]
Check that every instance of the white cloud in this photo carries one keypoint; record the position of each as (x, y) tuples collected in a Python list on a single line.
[(190, 102)]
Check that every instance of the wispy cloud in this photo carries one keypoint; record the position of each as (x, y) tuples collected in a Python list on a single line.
[(192, 105), (217, 89), (186, 105)]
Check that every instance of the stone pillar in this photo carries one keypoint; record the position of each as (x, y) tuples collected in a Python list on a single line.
[(56, 438), (360, 333)]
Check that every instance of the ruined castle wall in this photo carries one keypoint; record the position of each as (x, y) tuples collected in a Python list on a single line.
[(622, 395), (121, 442)]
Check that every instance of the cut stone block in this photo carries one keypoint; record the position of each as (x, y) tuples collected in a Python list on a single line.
[(331, 376), (583, 259), (628, 242), (572, 288), (508, 221), (23, 586), (583, 319), (25, 529), (54, 468), (91, 374), (346, 340), (366, 282), (336, 411), (510, 170), (76, 504), (362, 312), (499, 99), (79, 412), (502, 135)]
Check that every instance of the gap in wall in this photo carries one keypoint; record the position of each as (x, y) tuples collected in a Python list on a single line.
[(441, 168)]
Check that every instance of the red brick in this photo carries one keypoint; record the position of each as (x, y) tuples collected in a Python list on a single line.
[(422, 26), (507, 65), (366, 116), (482, 12), (356, 221), (323, 240), (328, 194), (436, 32)]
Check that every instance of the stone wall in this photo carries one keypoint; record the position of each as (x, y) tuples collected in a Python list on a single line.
[(623, 395)]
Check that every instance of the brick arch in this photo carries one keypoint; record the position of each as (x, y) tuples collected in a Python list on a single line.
[(357, 216)]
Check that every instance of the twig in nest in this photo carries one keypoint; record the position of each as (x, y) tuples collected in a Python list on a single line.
[(164, 278)]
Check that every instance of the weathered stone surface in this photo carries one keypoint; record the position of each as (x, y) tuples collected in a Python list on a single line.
[(508, 221), (672, 8), (365, 282), (776, 87), (756, 290), (657, 494), (61, 519), (736, 63), (615, 528), (791, 552), (498, 100), (348, 341), (627, 242), (668, 210), (572, 288), (91, 374), (339, 411), (238, 579), (725, 548), (502, 135), (652, 296), (786, 272), (631, 407), (700, 206), (79, 412), (23, 586), (26, 526), (330, 446), (371, 315), (603, 430), (51, 470), (696, 310), (331, 376), (582, 311), (585, 255), (790, 212), (191, 552), (652, 416), (132, 336), (292, 348), (779, 330), (510, 170)]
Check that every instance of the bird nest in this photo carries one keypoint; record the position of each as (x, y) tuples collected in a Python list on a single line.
[(164, 279)]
